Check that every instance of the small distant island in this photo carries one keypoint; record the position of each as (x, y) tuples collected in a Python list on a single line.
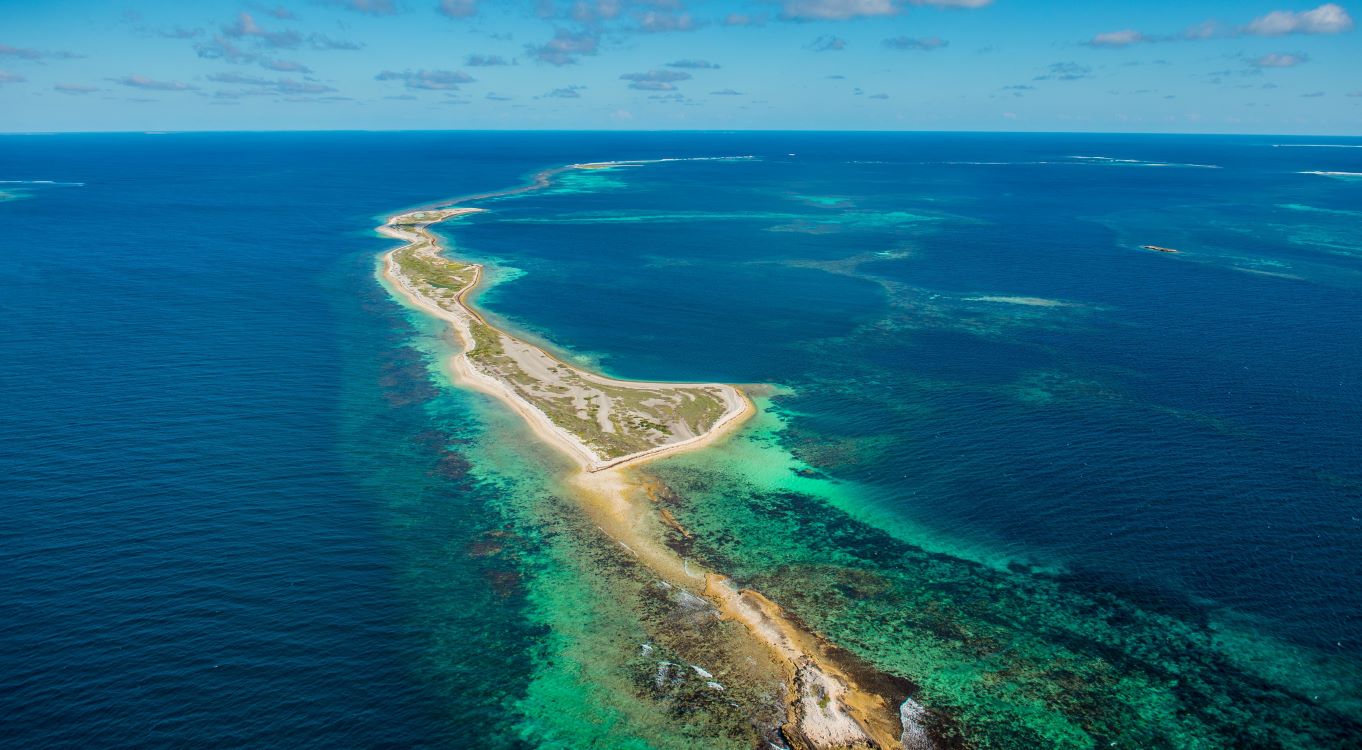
[(1159, 249)]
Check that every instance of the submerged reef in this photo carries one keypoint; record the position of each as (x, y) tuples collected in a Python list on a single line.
[(1011, 658)]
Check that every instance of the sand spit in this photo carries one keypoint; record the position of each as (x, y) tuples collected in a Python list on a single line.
[(832, 701), (601, 422)]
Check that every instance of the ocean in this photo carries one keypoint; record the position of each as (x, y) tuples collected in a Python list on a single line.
[(1076, 491)]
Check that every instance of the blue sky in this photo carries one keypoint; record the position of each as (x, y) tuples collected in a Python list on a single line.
[(1159, 65)]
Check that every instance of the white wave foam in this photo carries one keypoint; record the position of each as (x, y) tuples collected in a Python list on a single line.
[(42, 182), (1142, 162), (1078, 161)]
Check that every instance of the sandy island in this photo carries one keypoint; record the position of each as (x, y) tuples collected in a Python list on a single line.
[(608, 426)]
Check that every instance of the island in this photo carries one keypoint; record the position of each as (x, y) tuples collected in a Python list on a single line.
[(607, 426), (601, 421), (1159, 249)]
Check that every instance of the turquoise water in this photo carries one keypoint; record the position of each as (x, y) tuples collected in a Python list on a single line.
[(1076, 492)]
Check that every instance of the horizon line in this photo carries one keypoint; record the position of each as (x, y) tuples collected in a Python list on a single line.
[(179, 131)]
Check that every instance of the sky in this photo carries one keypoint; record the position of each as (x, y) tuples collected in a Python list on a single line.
[(1216, 66)]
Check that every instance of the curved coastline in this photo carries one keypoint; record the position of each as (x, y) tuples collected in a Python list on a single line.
[(831, 702), (737, 405)]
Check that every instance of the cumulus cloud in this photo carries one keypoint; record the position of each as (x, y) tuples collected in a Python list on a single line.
[(1122, 38), (493, 96), (652, 22), (1326, 19), (693, 64), (247, 30), (828, 43), (1065, 71), (8, 77), (24, 53), (485, 61), (1279, 60), (280, 85), (74, 88), (429, 80), (228, 45), (221, 48), (655, 80), (675, 98), (246, 27), (726, 92), (565, 47), (150, 84), (458, 8), (369, 7), (836, 10), (278, 11), (323, 42), (580, 11), (842, 10), (566, 92), (285, 66), (743, 19), (174, 32), (1329, 18), (924, 44), (311, 99)]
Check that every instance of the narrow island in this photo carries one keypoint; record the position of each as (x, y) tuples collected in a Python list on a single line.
[(607, 426), (601, 421), (1159, 249)]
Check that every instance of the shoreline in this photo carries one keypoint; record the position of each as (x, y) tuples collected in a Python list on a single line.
[(830, 703), (739, 406)]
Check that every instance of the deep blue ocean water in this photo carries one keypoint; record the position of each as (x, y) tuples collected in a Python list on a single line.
[(230, 514)]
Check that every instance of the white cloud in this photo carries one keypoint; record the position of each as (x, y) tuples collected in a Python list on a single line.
[(953, 3), (1279, 60), (565, 47), (371, 7), (23, 53), (458, 8), (282, 85), (430, 80), (1329, 18), (149, 84), (924, 44), (567, 92), (1122, 38), (655, 80), (653, 22), (828, 43), (836, 10)]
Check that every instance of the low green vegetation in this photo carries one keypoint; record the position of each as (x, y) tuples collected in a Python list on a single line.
[(612, 418)]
